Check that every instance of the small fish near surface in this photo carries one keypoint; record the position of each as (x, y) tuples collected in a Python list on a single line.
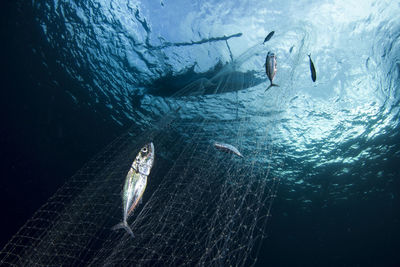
[(227, 148), (269, 36), (312, 69), (135, 184), (270, 68)]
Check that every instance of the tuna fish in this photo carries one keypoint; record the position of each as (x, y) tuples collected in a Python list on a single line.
[(135, 184), (270, 68)]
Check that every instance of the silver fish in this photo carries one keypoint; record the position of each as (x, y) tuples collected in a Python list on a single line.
[(312, 69), (135, 184), (270, 68), (227, 148)]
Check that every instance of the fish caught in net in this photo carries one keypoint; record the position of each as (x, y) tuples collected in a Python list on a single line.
[(200, 206)]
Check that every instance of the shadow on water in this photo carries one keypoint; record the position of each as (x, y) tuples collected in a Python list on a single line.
[(220, 79)]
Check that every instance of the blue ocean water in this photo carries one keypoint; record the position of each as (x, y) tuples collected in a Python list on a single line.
[(77, 74)]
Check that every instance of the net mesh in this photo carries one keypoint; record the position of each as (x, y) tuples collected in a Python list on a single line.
[(201, 206)]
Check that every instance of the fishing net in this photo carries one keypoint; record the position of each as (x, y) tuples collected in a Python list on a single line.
[(201, 206)]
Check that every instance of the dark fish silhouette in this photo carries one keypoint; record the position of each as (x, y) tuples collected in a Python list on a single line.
[(312, 68), (269, 36), (270, 68), (291, 49)]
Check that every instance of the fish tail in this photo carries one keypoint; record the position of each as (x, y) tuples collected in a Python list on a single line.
[(272, 84), (125, 226)]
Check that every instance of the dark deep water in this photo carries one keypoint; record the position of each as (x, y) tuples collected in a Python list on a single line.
[(349, 216), (41, 127)]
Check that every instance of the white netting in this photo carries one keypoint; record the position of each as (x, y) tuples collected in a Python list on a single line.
[(201, 206)]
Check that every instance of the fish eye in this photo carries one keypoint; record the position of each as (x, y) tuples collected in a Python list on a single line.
[(144, 149)]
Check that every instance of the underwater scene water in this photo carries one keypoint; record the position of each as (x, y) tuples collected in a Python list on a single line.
[(86, 84)]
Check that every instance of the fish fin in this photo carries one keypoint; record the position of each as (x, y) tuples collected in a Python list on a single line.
[(134, 205), (272, 84), (125, 226)]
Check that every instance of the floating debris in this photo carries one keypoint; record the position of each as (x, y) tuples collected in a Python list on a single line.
[(269, 36), (135, 183), (228, 148), (270, 68), (312, 68)]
